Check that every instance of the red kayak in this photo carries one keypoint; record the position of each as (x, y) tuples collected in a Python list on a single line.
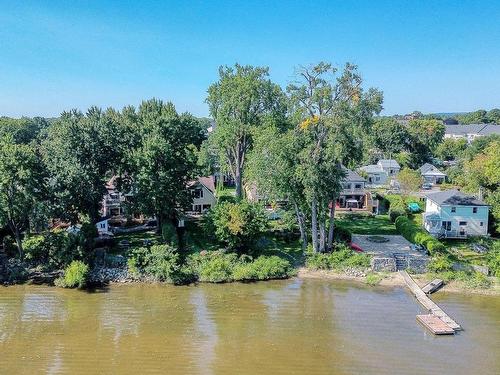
[(355, 247)]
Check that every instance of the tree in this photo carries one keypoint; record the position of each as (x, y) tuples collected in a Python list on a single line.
[(494, 116), (23, 130), (80, 151), (272, 167), (451, 149), (164, 161), (477, 117), (238, 101), (389, 136), (238, 225), (482, 173), (425, 136), (331, 111), (409, 181), (20, 183)]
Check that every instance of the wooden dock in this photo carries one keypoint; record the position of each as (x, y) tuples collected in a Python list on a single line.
[(432, 286), (428, 304), (435, 325)]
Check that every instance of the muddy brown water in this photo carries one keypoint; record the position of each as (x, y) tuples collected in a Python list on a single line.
[(279, 327)]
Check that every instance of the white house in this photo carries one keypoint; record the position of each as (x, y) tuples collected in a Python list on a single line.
[(431, 174), (203, 193), (453, 214), (382, 172), (103, 226)]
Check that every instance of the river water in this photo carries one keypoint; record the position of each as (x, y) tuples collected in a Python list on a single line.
[(279, 327)]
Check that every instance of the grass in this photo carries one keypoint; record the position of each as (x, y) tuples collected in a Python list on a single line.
[(136, 239), (357, 224)]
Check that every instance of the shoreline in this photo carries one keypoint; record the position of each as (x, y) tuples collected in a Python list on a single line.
[(394, 279)]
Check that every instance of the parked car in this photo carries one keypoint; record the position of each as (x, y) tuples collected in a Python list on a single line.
[(427, 186)]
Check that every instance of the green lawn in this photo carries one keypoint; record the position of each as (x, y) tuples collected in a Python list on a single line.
[(136, 239), (358, 224)]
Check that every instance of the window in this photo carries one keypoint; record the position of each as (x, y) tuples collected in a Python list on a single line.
[(481, 223), (357, 186), (474, 210), (103, 225), (453, 209), (197, 193), (446, 225), (462, 223), (377, 178), (347, 186)]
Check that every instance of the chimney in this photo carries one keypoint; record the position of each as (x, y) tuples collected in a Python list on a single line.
[(480, 195)]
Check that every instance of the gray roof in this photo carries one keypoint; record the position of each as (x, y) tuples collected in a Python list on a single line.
[(429, 169), (388, 163), (481, 129), (372, 168), (352, 176), (454, 198)]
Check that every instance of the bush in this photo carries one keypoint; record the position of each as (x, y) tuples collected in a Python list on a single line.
[(418, 236), (54, 249), (477, 280), (266, 268), (161, 262), (237, 225), (494, 259), (373, 279), (440, 263), (395, 213), (75, 275), (337, 260), (213, 266)]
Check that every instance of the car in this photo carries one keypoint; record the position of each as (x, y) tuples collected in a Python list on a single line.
[(427, 186)]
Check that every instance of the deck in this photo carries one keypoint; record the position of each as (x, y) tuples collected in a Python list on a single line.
[(425, 301)]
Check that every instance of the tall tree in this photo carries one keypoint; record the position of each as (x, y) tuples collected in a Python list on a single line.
[(21, 181), (80, 151), (389, 136), (238, 101), (164, 161), (425, 136), (331, 111)]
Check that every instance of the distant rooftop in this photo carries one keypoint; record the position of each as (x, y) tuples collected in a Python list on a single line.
[(388, 163), (481, 129), (352, 176)]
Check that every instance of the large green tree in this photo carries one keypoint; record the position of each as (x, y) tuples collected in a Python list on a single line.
[(81, 151), (389, 136), (332, 112), (425, 136), (21, 182), (238, 102), (164, 161)]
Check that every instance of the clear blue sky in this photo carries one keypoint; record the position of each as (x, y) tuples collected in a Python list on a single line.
[(431, 56)]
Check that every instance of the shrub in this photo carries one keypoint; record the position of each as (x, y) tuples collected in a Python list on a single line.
[(494, 259), (237, 225), (440, 264), (417, 235), (270, 267), (373, 279), (213, 266), (54, 249), (394, 213), (161, 262), (473, 280), (337, 260), (342, 235), (75, 275)]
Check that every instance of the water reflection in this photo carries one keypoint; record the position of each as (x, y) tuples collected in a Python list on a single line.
[(279, 327)]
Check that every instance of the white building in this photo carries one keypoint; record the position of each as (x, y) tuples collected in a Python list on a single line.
[(453, 214), (431, 175), (203, 193), (382, 172)]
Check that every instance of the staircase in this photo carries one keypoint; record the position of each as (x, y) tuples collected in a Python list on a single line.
[(401, 261)]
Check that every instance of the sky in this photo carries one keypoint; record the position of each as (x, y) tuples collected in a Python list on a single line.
[(431, 56)]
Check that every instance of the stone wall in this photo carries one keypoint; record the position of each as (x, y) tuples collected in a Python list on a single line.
[(418, 264), (383, 264)]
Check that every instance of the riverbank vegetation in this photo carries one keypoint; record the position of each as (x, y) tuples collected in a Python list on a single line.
[(285, 149)]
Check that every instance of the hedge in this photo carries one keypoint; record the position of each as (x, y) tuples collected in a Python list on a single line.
[(417, 235)]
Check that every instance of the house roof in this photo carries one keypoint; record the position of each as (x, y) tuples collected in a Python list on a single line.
[(207, 181), (480, 129), (351, 175), (372, 168), (454, 198), (429, 170), (388, 163)]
